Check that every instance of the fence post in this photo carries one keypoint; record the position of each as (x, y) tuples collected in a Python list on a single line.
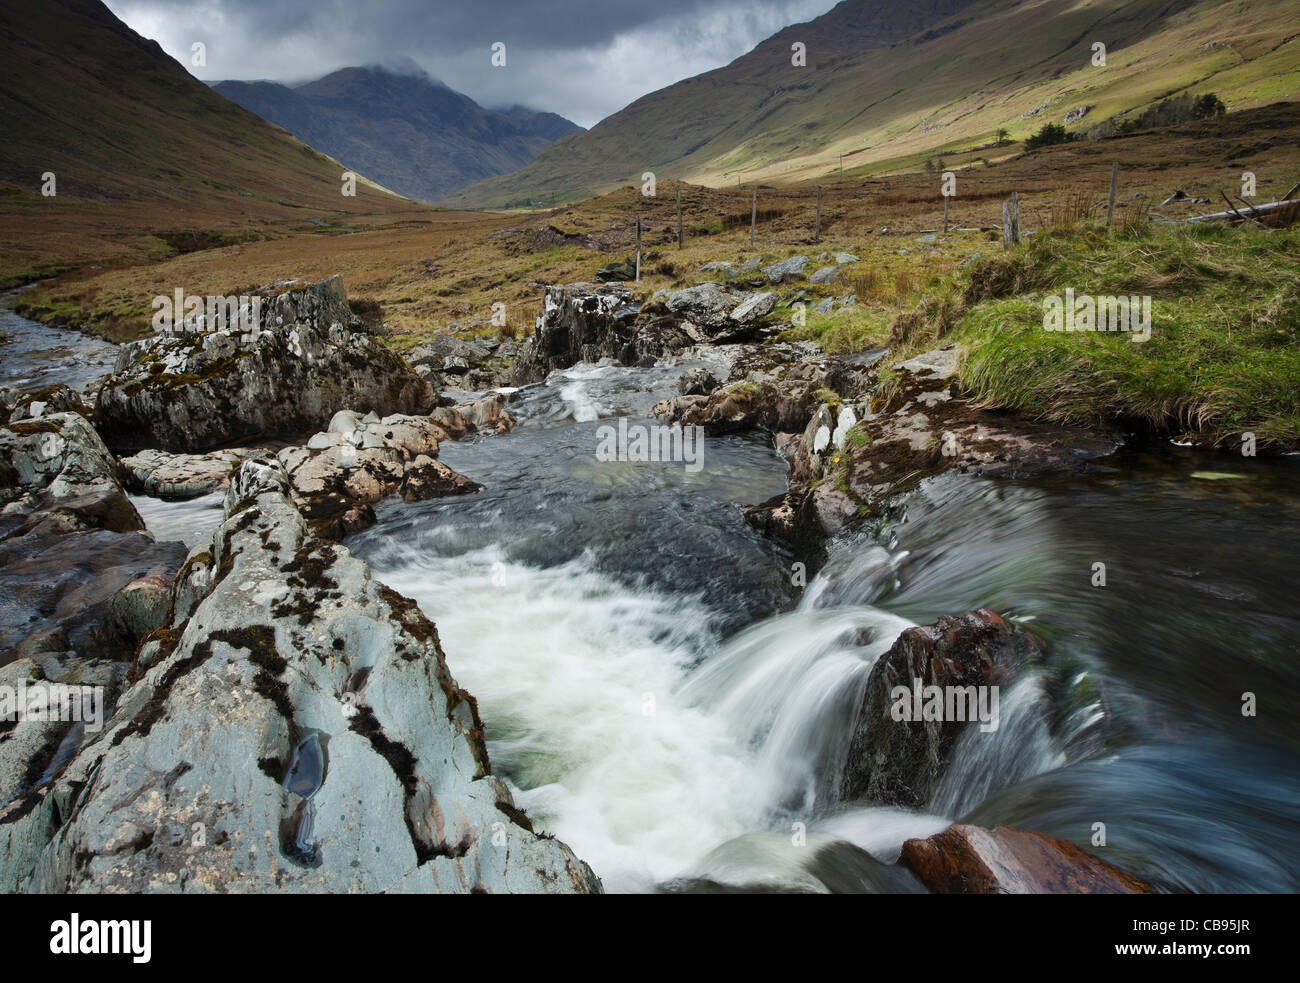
[(1114, 180), (1015, 217), (753, 219), (638, 249), (945, 214)]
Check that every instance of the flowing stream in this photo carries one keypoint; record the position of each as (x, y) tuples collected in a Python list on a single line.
[(664, 698)]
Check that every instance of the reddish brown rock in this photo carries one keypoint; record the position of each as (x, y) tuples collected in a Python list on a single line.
[(1002, 860)]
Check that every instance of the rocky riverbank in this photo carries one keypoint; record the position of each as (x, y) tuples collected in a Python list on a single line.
[(277, 720)]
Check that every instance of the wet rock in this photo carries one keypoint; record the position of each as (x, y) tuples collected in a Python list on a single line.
[(698, 381), (576, 318), (81, 583), (486, 415), (583, 322), (341, 473), (307, 357), (900, 761), (974, 860), (275, 637), (923, 426), (777, 387), (57, 475), (177, 477)]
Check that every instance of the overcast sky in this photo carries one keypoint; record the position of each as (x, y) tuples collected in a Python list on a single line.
[(583, 59)]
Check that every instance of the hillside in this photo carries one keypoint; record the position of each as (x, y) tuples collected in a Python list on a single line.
[(408, 131), (888, 83), (148, 160)]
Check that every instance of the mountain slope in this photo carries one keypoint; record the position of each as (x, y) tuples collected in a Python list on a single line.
[(889, 79), (139, 148), (409, 132)]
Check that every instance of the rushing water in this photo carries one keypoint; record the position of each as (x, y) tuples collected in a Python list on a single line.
[(32, 355), (666, 701)]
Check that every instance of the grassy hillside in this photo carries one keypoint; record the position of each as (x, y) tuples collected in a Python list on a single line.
[(890, 83), (148, 160)]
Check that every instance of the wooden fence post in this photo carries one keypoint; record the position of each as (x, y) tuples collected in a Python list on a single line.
[(753, 219), (1114, 181), (945, 214), (1015, 217), (638, 249)]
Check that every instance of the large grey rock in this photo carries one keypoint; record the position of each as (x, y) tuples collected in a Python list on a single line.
[(294, 729), (308, 357), (787, 270), (754, 307), (177, 477), (583, 322), (900, 762)]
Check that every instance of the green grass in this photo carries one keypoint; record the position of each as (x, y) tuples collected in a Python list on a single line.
[(1223, 358)]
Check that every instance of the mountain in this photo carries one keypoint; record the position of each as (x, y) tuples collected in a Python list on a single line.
[(896, 80), (140, 149), (406, 130)]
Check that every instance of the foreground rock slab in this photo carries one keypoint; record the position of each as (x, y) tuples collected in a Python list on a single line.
[(1002, 860), (294, 728)]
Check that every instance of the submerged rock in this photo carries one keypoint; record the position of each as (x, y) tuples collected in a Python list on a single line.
[(306, 358), (1002, 860), (274, 636), (900, 761)]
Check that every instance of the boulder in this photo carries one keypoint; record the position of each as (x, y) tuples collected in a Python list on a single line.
[(786, 271), (341, 473), (698, 381), (177, 477), (293, 729), (900, 761), (1002, 860), (707, 305), (582, 322), (754, 307), (306, 358)]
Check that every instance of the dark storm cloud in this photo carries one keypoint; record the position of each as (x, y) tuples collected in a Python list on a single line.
[(582, 58)]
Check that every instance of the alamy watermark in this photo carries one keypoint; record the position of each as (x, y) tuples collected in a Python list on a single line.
[(46, 701), (1084, 312), (641, 443), (946, 703), (188, 313)]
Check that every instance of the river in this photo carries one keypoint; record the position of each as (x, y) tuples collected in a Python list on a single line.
[(664, 697)]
